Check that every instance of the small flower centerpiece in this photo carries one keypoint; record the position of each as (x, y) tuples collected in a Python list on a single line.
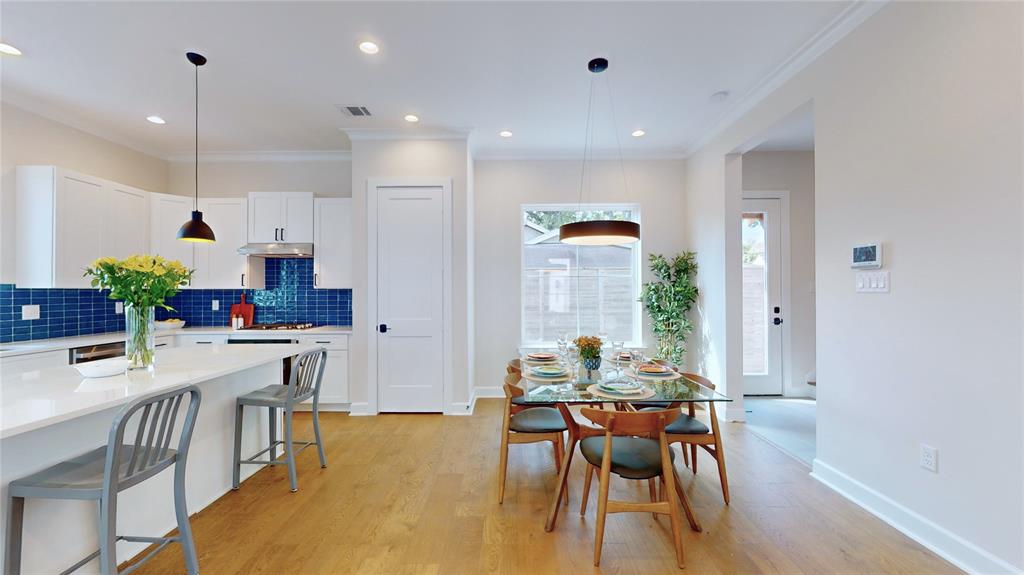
[(590, 351), (142, 282)]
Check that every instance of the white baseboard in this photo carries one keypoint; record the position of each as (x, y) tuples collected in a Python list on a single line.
[(359, 408), (463, 408), (490, 392), (941, 541), (325, 407)]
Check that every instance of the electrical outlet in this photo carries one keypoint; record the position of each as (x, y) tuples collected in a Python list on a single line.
[(119, 307), (30, 312), (930, 458), (215, 304)]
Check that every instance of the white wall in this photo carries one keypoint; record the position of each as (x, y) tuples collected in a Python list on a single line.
[(793, 172), (918, 117), (226, 179), (501, 189), (27, 138), (411, 159)]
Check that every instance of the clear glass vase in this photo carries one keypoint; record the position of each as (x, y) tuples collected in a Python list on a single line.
[(139, 345)]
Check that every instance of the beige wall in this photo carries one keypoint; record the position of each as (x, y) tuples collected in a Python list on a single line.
[(26, 139), (501, 189), (234, 179), (793, 172), (918, 144), (412, 159)]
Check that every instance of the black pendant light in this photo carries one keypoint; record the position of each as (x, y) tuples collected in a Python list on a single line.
[(196, 230), (599, 232)]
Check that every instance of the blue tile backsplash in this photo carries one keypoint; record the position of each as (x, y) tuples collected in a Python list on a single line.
[(289, 297)]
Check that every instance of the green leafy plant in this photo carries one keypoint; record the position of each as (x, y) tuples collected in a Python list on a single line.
[(669, 299)]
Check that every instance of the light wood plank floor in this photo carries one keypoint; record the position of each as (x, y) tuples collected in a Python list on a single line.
[(412, 494)]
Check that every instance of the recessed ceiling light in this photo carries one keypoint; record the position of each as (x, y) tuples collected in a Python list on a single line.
[(720, 96), (505, 134), (156, 119), (412, 118), (369, 47), (638, 133), (9, 50)]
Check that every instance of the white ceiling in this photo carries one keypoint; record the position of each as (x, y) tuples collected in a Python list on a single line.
[(277, 69)]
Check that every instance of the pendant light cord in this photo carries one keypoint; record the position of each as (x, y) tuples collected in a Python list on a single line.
[(586, 144), (197, 138), (618, 142)]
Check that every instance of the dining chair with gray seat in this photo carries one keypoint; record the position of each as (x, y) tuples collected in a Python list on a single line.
[(101, 474), (632, 445), (307, 375), (522, 424)]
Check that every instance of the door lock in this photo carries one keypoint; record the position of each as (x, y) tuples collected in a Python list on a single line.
[(383, 328), (777, 321)]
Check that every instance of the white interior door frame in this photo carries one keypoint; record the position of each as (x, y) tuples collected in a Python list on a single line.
[(787, 303), (372, 186)]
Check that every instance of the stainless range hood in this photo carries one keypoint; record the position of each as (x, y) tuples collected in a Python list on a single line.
[(277, 250)]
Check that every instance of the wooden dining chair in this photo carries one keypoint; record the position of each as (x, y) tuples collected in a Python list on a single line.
[(525, 424), (617, 447), (690, 432), (514, 366)]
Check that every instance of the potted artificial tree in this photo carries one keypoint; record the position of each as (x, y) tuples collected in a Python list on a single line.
[(668, 299)]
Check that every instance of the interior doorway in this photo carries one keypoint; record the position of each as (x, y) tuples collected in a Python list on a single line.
[(779, 324)]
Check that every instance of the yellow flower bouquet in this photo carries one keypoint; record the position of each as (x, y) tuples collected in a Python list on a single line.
[(141, 282)]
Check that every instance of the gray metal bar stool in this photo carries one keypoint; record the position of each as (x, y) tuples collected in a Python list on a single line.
[(307, 374), (105, 471)]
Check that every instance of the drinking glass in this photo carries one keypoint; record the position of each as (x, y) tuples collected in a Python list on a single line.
[(574, 363), (636, 359), (616, 353), (563, 344)]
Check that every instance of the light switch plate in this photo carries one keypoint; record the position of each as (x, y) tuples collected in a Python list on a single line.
[(30, 312), (872, 282)]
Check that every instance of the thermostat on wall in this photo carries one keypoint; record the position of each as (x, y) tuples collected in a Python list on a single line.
[(867, 256)]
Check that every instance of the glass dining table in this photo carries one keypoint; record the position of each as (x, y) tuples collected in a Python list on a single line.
[(569, 391)]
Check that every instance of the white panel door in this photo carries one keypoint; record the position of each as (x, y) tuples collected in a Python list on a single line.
[(332, 243), (762, 296), (410, 292), (127, 229), (167, 214), (80, 222), (265, 217), (219, 265), (297, 224)]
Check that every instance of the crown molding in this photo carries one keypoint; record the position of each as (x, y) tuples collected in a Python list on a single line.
[(577, 155), (367, 134), (264, 156), (845, 22)]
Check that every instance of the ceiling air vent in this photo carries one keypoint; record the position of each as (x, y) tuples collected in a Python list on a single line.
[(355, 111)]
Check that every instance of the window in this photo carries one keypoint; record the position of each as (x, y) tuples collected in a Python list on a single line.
[(579, 290)]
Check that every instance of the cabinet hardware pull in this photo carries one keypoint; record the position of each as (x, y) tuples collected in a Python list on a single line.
[(316, 279), (321, 342), (243, 280), (276, 231), (282, 234)]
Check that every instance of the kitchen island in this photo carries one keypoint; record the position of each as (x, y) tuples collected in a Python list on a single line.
[(51, 415)]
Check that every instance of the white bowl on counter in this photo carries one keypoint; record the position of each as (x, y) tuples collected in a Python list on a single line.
[(103, 367), (169, 324)]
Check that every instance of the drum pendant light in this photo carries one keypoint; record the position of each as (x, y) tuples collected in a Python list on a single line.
[(196, 230), (599, 232)]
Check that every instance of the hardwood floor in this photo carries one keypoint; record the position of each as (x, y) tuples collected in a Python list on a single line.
[(417, 494)]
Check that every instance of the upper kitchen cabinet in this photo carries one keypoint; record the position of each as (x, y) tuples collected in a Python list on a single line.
[(167, 214), (65, 220), (332, 243), (219, 265), (276, 217)]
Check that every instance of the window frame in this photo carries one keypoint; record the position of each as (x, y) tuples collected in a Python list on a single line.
[(637, 337)]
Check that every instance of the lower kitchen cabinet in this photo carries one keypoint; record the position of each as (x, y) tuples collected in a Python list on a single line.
[(34, 361), (334, 388)]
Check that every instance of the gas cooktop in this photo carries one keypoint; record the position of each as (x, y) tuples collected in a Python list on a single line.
[(274, 326)]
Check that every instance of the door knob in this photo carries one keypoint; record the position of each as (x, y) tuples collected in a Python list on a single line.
[(777, 321), (383, 328)]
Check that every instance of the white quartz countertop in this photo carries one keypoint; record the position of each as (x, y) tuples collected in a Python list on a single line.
[(41, 345), (34, 399)]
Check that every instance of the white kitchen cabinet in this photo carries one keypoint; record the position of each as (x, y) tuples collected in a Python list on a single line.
[(189, 340), (334, 388), (332, 243), (128, 212), (276, 217), (65, 220), (167, 214), (218, 265), (34, 361)]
